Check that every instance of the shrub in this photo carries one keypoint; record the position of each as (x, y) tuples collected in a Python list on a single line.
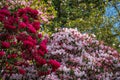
[(22, 47), (83, 57)]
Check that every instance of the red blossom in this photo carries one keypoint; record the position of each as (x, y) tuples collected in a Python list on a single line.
[(25, 18), (31, 39), (22, 71), (36, 25), (2, 53), (21, 25), (41, 52), (55, 65), (43, 48), (39, 60), (28, 43), (5, 44), (31, 28), (14, 55), (21, 12), (5, 12), (10, 37), (21, 36), (20, 29), (2, 17), (40, 73), (14, 43), (10, 27), (39, 35), (33, 13)]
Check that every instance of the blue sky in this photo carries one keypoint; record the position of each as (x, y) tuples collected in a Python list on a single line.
[(112, 12)]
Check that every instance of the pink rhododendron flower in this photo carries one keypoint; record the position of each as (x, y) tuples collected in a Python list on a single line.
[(81, 55)]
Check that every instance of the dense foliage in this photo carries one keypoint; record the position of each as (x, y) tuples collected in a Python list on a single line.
[(81, 56)]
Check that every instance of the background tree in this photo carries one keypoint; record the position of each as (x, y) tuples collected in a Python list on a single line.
[(89, 16)]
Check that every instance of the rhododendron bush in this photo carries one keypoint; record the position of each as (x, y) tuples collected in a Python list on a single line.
[(82, 57), (22, 47)]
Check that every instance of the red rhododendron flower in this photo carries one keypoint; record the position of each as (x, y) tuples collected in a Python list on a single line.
[(5, 12), (43, 48), (14, 43), (36, 25), (22, 71), (28, 43), (54, 64), (39, 60), (3, 36), (25, 18), (2, 17), (35, 12), (41, 52), (21, 36), (44, 41), (12, 55), (9, 37), (28, 9), (2, 53), (31, 28), (21, 12), (39, 35), (21, 25), (43, 73), (25, 50), (31, 39), (32, 12), (5, 44), (9, 27)]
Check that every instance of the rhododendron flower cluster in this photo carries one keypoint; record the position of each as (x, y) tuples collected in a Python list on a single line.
[(83, 57), (43, 9), (22, 46)]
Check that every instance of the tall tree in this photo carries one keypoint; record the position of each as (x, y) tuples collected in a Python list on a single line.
[(88, 16)]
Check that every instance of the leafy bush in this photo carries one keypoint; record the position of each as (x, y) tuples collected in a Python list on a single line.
[(22, 47), (83, 57)]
